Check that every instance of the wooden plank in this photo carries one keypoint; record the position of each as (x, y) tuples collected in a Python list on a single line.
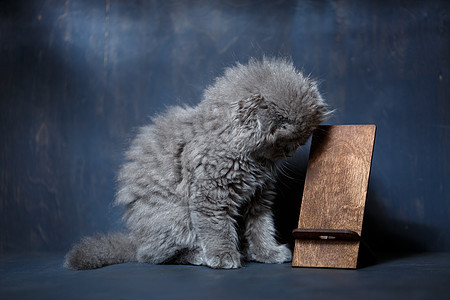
[(335, 192)]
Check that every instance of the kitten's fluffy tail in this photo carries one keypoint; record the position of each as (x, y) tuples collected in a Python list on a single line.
[(101, 250)]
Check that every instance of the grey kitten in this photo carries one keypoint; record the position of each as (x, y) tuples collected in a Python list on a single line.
[(196, 171)]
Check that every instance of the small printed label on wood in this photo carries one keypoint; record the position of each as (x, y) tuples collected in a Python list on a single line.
[(334, 196)]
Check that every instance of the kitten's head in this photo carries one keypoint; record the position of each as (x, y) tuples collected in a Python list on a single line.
[(274, 104)]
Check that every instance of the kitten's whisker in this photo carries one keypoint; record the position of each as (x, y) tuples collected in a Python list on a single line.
[(284, 172)]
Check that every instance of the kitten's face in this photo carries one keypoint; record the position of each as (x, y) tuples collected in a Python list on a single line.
[(281, 126), (284, 130)]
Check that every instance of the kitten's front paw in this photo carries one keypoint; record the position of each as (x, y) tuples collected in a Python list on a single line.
[(276, 255), (224, 260)]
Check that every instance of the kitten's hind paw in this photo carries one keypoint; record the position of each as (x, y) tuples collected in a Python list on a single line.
[(277, 255), (282, 255), (224, 260)]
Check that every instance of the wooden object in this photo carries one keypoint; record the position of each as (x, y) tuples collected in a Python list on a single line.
[(334, 197)]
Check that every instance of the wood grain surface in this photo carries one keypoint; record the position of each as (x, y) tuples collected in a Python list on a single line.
[(335, 193)]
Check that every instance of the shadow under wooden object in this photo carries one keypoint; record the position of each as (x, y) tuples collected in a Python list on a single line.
[(334, 197)]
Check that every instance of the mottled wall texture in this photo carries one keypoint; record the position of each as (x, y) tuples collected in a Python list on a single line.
[(77, 77)]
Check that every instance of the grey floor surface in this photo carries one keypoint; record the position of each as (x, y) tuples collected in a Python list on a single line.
[(41, 276)]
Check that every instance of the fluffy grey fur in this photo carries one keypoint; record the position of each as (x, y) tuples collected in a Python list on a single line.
[(195, 171)]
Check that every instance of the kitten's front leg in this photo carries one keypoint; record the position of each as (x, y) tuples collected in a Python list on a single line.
[(214, 224), (260, 231)]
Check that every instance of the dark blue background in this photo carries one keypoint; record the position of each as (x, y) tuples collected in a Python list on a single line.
[(78, 77)]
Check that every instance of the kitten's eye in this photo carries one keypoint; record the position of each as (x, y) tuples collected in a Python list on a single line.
[(282, 120)]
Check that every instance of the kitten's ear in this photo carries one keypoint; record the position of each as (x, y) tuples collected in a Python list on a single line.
[(253, 112), (247, 108)]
